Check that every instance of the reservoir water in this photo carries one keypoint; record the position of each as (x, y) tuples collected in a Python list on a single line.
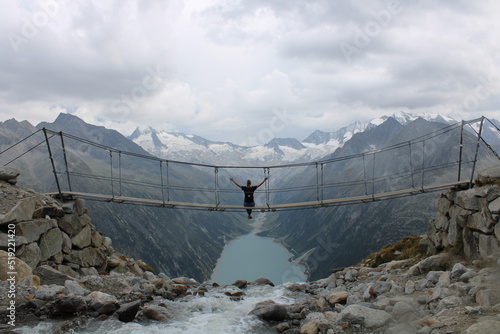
[(252, 256)]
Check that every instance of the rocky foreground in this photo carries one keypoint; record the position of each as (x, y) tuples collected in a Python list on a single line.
[(66, 270)]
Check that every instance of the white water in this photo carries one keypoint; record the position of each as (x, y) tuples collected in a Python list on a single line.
[(212, 313)]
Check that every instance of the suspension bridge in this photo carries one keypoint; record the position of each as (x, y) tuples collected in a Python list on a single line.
[(90, 170)]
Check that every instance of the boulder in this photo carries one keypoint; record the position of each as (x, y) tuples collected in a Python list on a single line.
[(7, 240), (70, 224), (9, 174), (262, 281), (50, 243), (337, 297), (31, 254), (49, 275), (468, 200), (158, 313), (87, 257), (32, 230), (270, 310), (365, 316), (241, 283), (488, 246), (22, 211), (49, 292), (83, 238), (75, 288), (484, 327), (10, 264), (99, 300), (69, 305), (128, 311), (494, 206)]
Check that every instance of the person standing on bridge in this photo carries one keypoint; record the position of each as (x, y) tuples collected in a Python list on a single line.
[(249, 190)]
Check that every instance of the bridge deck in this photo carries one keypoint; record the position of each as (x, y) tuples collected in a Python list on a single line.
[(273, 207)]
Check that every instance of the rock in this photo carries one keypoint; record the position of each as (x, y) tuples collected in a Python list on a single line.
[(488, 246), (241, 283), (32, 230), (409, 287), (435, 262), (468, 200), (50, 243), (74, 288), (49, 292), (309, 328), (351, 275), (22, 211), (9, 174), (158, 313), (402, 308), (262, 281), (337, 297), (69, 305), (11, 264), (269, 310), (178, 289), (49, 275), (67, 244), (484, 327), (128, 311), (149, 276), (483, 298), (99, 300), (87, 257), (378, 288), (365, 316), (83, 238), (31, 254), (70, 224), (67, 270), (494, 206), (457, 271), (450, 302), (6, 241)]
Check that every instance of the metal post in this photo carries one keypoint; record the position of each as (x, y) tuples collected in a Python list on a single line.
[(65, 159), (373, 176), (161, 180), (317, 183), (460, 151), (217, 201), (120, 173), (52, 162), (423, 163), (477, 150), (364, 175), (111, 167), (411, 167), (266, 174)]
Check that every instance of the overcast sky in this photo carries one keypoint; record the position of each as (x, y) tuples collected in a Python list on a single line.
[(249, 70)]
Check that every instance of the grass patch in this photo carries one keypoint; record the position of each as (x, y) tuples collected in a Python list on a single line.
[(407, 248)]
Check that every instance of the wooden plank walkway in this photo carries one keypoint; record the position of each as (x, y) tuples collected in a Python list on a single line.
[(275, 207)]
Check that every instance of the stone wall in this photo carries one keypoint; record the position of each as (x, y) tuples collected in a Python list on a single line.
[(53, 237), (467, 220)]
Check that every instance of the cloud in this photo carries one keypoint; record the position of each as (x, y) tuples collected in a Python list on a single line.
[(222, 69)]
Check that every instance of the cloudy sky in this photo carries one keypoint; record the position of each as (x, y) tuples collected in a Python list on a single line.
[(247, 70)]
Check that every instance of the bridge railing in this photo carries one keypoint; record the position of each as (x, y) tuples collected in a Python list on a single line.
[(81, 166)]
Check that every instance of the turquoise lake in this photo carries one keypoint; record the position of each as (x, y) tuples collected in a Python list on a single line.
[(251, 256)]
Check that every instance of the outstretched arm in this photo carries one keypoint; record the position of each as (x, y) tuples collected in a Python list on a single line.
[(235, 182), (265, 179)]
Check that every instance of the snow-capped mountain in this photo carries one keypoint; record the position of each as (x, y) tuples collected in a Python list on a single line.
[(192, 148)]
